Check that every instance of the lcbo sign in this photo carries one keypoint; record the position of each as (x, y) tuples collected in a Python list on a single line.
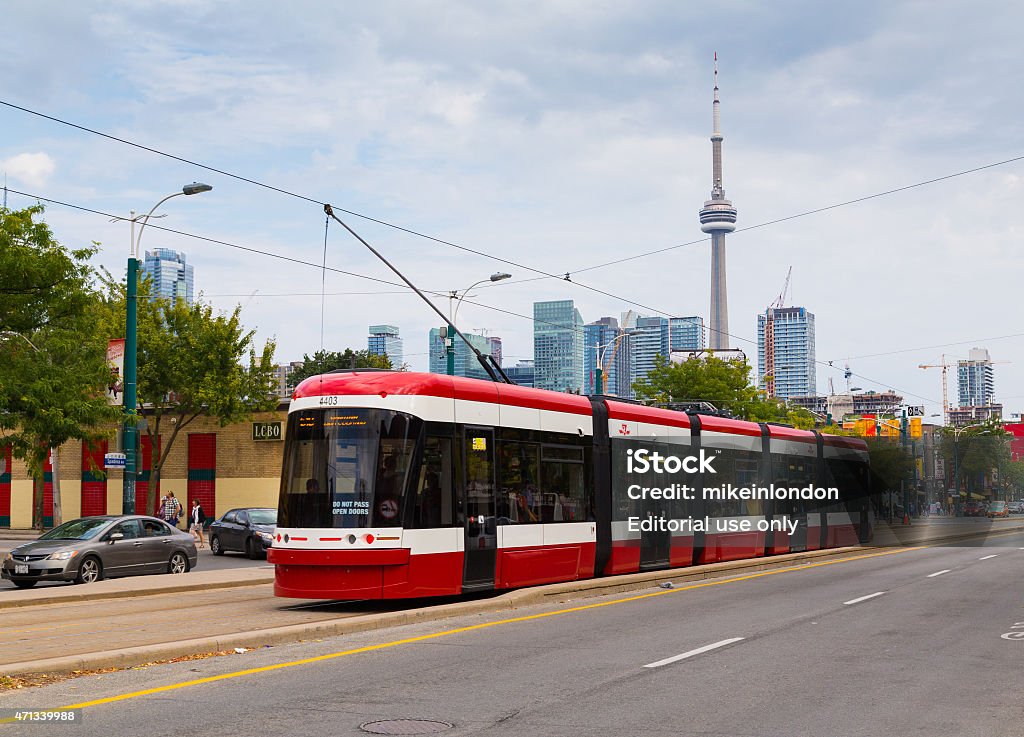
[(266, 431)]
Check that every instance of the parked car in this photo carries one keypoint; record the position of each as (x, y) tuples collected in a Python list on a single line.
[(248, 530), (974, 509), (998, 509), (91, 548), (1015, 507)]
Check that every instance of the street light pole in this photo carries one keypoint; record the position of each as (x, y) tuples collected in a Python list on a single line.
[(598, 372), (130, 433), (450, 340)]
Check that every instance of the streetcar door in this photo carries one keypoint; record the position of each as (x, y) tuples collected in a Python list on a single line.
[(655, 544), (798, 538), (481, 534)]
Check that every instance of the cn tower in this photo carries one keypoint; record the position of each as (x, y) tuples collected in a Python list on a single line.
[(718, 217)]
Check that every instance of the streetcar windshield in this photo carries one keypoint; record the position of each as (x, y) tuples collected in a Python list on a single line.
[(347, 467)]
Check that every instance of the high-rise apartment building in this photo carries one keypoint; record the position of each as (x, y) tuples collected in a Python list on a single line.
[(172, 276), (975, 379), (649, 339), (283, 378), (494, 347), (686, 333), (785, 352), (385, 341), (466, 362), (522, 373), (558, 346)]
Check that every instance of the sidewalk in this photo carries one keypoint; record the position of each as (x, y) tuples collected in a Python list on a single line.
[(135, 586)]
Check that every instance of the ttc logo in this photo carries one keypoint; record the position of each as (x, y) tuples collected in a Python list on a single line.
[(624, 430)]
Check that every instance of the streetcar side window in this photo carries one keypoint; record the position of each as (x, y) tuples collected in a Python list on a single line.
[(432, 503), (564, 496), (793, 471), (519, 494), (739, 468)]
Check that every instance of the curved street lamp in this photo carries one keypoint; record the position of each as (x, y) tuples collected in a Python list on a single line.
[(598, 371), (131, 350), (450, 348)]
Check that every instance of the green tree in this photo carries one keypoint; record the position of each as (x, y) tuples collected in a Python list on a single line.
[(191, 362), (724, 382), (53, 368), (971, 454), (323, 361)]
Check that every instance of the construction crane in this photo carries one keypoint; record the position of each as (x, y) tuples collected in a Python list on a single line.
[(781, 299), (945, 391), (769, 337)]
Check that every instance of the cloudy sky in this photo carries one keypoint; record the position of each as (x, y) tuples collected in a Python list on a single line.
[(558, 135)]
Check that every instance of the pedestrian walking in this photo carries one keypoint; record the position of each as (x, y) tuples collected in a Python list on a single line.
[(197, 518), (171, 510)]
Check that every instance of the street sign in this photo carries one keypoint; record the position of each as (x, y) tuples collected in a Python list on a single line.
[(915, 411), (113, 460)]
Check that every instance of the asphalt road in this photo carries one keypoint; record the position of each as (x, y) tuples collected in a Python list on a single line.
[(917, 642)]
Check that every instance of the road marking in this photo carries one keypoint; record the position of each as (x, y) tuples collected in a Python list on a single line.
[(996, 555), (470, 628), (691, 653), (864, 598), (938, 573)]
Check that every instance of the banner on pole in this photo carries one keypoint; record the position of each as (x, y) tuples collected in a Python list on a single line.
[(115, 359)]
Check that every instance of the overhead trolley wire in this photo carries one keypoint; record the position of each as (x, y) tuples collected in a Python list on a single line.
[(544, 274)]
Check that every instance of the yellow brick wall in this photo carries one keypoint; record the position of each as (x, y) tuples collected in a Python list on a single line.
[(247, 472)]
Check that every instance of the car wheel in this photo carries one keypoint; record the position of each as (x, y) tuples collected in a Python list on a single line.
[(24, 584), (250, 549), (90, 570), (178, 564), (215, 547)]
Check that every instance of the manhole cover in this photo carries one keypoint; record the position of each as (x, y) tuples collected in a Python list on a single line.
[(406, 726)]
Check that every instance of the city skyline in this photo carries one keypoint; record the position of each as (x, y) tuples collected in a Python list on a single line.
[(554, 150)]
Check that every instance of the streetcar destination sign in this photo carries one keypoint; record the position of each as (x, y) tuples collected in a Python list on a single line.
[(266, 431)]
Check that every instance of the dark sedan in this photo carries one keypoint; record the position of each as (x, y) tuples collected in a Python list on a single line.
[(91, 548), (248, 530)]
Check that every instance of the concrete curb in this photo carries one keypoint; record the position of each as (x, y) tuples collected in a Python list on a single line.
[(133, 656), (74, 597)]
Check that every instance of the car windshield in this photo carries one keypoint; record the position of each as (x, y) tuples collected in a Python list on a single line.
[(263, 516), (77, 529), (997, 505)]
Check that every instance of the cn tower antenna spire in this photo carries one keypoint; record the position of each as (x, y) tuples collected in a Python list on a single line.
[(718, 217)]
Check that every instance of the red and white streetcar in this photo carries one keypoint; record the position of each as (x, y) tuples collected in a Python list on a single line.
[(400, 484)]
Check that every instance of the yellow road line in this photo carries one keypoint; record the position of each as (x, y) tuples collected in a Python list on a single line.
[(470, 628)]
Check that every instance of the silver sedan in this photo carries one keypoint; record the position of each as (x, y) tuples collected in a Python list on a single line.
[(88, 549)]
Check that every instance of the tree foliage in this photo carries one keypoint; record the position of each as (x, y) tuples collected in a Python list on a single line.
[(724, 382), (191, 362), (53, 366), (323, 361), (972, 453)]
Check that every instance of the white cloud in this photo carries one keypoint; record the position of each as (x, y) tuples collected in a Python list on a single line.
[(32, 170)]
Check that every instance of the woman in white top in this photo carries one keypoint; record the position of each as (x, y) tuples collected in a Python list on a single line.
[(197, 519)]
